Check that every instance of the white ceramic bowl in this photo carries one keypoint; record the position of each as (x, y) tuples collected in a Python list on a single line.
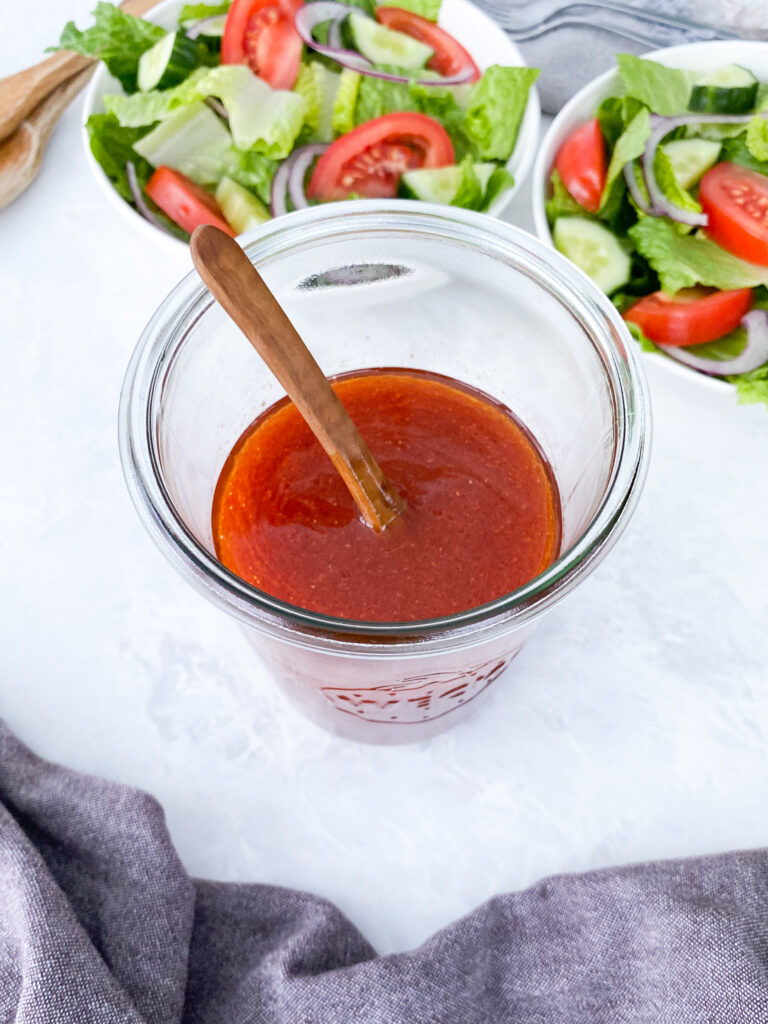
[(484, 39), (692, 57)]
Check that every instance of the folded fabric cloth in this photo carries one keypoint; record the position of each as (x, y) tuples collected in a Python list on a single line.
[(570, 57), (99, 924)]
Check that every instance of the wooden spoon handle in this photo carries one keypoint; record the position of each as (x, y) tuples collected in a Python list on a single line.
[(22, 92), (239, 288), (46, 115)]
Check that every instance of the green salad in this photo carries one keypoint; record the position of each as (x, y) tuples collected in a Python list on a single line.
[(662, 199), (252, 108)]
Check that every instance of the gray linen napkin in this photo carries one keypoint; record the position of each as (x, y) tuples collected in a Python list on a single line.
[(100, 924), (571, 57)]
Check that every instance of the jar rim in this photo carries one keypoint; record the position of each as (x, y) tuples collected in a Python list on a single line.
[(163, 338)]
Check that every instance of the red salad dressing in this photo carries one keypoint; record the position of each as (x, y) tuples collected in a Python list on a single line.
[(482, 514)]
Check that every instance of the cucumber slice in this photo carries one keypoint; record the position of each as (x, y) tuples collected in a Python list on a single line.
[(383, 45), (441, 184), (730, 89), (595, 250), (431, 185), (167, 63), (690, 158), (241, 208)]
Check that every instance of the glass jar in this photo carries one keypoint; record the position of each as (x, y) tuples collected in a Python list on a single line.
[(396, 284)]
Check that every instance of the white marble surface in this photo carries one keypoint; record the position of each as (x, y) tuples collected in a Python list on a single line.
[(634, 725)]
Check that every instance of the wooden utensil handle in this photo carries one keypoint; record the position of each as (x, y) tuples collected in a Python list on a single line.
[(22, 92), (47, 114), (239, 288)]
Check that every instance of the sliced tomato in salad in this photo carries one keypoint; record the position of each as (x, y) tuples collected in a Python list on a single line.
[(370, 160), (262, 34), (450, 56), (692, 316), (186, 203), (582, 166), (735, 201)]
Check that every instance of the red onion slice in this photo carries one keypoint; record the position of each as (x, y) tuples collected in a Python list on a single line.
[(278, 192), (753, 355), (301, 161), (661, 205), (311, 15), (141, 203), (460, 78), (334, 35), (634, 189), (289, 178), (217, 107)]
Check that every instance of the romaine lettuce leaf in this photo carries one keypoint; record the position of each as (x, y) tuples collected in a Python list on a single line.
[(116, 38), (469, 194), (112, 146), (443, 105), (561, 202), (318, 87), (735, 151), (667, 182), (345, 102), (664, 90), (752, 388), (682, 261), (190, 13), (253, 170), (495, 110), (260, 117), (376, 97), (499, 181), (193, 140), (629, 145), (429, 9), (147, 108), (757, 138), (614, 115)]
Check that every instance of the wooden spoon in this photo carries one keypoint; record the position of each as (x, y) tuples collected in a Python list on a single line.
[(238, 287), (21, 93), (21, 154)]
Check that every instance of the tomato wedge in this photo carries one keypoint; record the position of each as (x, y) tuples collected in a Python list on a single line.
[(690, 317), (450, 56), (369, 160), (581, 164), (735, 201), (185, 202), (262, 34)]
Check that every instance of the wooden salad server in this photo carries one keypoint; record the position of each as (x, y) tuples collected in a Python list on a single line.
[(21, 154)]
